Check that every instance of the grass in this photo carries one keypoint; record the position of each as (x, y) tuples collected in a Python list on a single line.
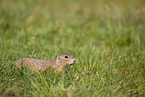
[(105, 37)]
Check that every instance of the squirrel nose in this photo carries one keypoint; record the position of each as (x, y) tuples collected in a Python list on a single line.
[(74, 60)]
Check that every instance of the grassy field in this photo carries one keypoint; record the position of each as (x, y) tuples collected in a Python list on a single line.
[(107, 38)]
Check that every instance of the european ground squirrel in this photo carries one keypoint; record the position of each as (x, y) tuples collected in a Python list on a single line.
[(59, 64)]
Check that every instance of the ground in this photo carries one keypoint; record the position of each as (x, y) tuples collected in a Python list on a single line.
[(106, 38)]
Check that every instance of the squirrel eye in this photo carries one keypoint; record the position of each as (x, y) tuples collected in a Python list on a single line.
[(66, 56)]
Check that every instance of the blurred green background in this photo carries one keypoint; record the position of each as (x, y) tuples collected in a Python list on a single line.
[(105, 36)]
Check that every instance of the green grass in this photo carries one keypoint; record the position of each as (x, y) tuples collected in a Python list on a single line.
[(107, 38)]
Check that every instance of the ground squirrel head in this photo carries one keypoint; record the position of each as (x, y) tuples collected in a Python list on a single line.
[(65, 60)]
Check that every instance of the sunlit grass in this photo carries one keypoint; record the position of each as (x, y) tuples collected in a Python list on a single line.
[(105, 37)]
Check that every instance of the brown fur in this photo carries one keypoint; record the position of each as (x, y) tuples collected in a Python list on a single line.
[(59, 64)]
